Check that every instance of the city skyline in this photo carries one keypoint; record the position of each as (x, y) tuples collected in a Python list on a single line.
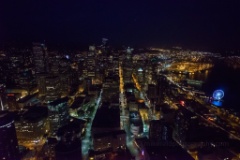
[(199, 25), (71, 106), (119, 80)]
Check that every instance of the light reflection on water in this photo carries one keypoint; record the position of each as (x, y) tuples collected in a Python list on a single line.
[(200, 76), (217, 103)]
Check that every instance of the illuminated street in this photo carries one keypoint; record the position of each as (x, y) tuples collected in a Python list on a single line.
[(130, 141), (87, 141)]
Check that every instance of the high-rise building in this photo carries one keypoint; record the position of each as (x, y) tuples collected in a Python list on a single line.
[(40, 58), (162, 87), (23, 71), (91, 62), (129, 53), (12, 102), (25, 79), (32, 125), (8, 138), (54, 64), (52, 88), (104, 42), (2, 96), (152, 92), (103, 50), (15, 67), (69, 145), (41, 82), (186, 125), (127, 66), (159, 131), (49, 87), (140, 75), (5, 66), (64, 65), (65, 83)]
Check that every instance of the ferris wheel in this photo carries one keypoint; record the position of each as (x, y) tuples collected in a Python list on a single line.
[(218, 94)]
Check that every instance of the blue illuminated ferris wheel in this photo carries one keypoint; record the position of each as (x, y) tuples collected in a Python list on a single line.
[(218, 94)]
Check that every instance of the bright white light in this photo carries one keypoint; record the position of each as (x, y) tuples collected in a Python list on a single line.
[(140, 70)]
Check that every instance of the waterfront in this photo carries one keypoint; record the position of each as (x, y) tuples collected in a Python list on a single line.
[(221, 77)]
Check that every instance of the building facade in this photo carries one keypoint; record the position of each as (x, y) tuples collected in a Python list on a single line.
[(8, 140), (58, 113)]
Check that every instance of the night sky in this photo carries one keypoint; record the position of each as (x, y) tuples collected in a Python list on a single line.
[(201, 24)]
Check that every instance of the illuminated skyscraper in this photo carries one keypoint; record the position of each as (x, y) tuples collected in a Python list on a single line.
[(8, 138)]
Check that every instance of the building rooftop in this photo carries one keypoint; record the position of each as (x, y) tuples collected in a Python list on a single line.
[(68, 151), (107, 118), (73, 125), (77, 102), (35, 113), (129, 86)]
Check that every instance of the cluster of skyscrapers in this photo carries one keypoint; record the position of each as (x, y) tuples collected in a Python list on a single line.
[(101, 103)]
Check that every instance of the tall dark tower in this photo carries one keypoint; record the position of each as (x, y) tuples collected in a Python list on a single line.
[(91, 62), (40, 58), (2, 96), (104, 42), (8, 137), (127, 65)]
